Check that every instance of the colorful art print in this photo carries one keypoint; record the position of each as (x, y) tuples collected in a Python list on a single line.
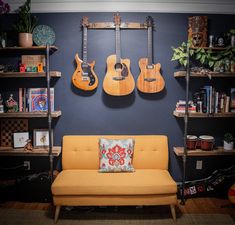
[(20, 139), (41, 137), (38, 100)]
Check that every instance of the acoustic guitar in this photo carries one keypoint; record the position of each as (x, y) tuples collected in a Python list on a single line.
[(150, 79), (118, 80), (84, 76)]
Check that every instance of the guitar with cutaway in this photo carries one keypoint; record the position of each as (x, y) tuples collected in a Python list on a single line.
[(118, 80), (84, 76), (150, 79)]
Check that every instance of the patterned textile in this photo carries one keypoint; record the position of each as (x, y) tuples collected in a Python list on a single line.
[(116, 155)]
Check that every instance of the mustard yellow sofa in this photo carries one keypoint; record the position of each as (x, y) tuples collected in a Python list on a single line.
[(81, 184)]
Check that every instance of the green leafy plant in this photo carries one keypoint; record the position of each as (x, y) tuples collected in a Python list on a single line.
[(206, 57), (25, 22), (228, 137), (180, 53)]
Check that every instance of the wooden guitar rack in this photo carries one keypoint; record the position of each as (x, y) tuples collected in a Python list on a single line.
[(111, 25)]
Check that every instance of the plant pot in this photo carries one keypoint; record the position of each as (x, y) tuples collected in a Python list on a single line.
[(228, 146), (25, 40)]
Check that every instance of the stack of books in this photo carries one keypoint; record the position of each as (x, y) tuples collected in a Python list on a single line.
[(181, 105)]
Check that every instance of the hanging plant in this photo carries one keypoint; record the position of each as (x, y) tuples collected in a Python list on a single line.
[(207, 58)]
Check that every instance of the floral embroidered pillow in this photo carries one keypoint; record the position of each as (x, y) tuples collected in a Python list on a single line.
[(116, 155)]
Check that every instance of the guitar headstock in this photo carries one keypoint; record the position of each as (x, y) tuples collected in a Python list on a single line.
[(149, 21), (117, 19), (85, 22)]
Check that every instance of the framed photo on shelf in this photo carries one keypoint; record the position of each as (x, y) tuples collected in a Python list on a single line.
[(41, 138), (20, 139)]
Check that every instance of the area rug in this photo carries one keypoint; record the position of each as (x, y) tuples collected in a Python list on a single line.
[(107, 216)]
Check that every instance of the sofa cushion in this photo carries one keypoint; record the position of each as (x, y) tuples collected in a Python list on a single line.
[(91, 182), (116, 155)]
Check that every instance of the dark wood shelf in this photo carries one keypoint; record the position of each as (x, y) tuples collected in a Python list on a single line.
[(34, 49), (210, 75), (28, 74), (205, 115), (210, 48), (8, 151), (54, 114), (179, 151)]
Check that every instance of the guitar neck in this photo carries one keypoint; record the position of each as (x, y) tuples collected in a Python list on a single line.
[(118, 50), (150, 46), (84, 52)]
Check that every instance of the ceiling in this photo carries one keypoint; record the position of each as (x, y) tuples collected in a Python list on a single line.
[(171, 6)]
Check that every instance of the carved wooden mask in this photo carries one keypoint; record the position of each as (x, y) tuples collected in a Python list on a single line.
[(197, 31)]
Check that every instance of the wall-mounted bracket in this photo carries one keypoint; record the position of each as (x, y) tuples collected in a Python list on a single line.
[(111, 25)]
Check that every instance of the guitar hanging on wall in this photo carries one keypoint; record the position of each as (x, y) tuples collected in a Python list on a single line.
[(118, 80), (84, 76), (150, 79)]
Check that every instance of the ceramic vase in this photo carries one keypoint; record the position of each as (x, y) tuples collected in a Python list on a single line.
[(25, 40), (228, 146)]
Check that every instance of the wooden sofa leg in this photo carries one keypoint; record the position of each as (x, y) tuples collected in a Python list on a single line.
[(57, 212), (173, 212)]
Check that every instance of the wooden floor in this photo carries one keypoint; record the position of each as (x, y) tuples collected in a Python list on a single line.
[(192, 206)]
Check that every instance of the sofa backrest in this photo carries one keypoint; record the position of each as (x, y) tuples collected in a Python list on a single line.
[(82, 151)]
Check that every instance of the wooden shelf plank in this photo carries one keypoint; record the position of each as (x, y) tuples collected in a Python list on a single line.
[(29, 74), (205, 115), (8, 151), (179, 151), (29, 114), (210, 75), (111, 25), (211, 48), (35, 49)]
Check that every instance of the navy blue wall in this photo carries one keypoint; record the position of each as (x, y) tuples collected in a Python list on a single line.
[(98, 113)]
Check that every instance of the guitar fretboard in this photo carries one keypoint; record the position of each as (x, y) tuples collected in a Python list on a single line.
[(150, 46), (118, 50), (84, 55)]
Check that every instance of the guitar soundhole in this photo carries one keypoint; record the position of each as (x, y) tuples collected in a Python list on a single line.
[(118, 66)]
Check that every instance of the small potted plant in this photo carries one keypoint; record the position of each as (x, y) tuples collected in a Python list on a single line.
[(228, 141), (25, 24)]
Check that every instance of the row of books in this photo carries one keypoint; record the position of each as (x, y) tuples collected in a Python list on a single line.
[(208, 100), (35, 99)]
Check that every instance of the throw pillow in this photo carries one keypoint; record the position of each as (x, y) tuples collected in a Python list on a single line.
[(116, 155)]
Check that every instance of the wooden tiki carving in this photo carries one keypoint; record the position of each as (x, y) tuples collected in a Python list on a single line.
[(197, 31)]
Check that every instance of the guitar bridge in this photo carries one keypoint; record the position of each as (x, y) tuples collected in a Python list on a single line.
[(85, 78), (149, 67), (118, 78), (149, 79)]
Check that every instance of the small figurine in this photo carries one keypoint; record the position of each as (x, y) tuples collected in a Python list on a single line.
[(1, 104), (28, 146), (40, 67), (11, 104), (22, 68)]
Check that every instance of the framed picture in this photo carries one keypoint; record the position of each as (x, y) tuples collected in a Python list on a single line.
[(41, 137), (20, 139)]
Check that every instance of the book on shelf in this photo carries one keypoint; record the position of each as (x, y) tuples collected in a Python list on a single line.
[(232, 99), (23, 106), (181, 106), (38, 101)]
